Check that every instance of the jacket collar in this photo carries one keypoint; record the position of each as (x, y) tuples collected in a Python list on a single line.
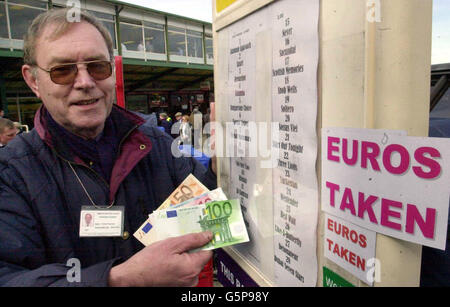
[(124, 121)]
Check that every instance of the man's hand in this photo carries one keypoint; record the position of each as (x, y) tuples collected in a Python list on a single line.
[(164, 263)]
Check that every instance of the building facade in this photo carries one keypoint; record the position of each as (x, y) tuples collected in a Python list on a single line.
[(167, 59)]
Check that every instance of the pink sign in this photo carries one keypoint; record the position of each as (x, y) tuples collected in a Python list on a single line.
[(392, 184)]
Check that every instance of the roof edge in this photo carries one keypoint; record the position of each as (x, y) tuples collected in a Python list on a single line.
[(117, 2)]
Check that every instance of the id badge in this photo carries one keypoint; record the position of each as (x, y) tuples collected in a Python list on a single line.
[(95, 222)]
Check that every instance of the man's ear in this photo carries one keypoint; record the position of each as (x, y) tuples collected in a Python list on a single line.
[(31, 79)]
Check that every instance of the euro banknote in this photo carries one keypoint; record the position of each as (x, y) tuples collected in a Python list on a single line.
[(223, 218), (207, 197), (146, 233), (189, 188)]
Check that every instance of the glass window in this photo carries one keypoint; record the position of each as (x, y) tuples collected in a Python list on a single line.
[(34, 3), (195, 44), (112, 31), (153, 25), (108, 22), (20, 18), (3, 21), (442, 108), (131, 37), (104, 16), (176, 29), (209, 48), (154, 41), (177, 41)]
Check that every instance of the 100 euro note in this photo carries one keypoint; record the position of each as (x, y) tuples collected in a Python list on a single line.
[(146, 233), (189, 188), (223, 218)]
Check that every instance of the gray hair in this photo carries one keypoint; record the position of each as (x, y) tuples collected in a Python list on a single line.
[(5, 123), (59, 18)]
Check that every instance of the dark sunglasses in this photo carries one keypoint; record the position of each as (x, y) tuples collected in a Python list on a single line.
[(65, 74)]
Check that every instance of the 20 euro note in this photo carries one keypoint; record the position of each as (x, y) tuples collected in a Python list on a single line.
[(189, 188), (223, 218)]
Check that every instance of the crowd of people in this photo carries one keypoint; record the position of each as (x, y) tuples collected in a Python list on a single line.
[(187, 128)]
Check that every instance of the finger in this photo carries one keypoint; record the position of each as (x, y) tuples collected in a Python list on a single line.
[(191, 241)]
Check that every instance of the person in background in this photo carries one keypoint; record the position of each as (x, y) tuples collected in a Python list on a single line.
[(8, 131), (163, 122), (185, 131), (178, 117), (195, 119), (87, 152), (175, 130)]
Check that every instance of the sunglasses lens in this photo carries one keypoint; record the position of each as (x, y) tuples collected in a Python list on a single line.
[(64, 74), (100, 70)]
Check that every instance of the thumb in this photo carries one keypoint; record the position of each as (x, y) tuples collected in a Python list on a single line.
[(191, 241)]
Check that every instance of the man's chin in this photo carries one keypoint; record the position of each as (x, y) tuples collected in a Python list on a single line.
[(88, 131)]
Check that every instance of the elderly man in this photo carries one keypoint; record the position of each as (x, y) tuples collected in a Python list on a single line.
[(7, 131), (85, 154)]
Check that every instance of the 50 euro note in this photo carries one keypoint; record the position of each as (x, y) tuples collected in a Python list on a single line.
[(223, 218), (189, 188)]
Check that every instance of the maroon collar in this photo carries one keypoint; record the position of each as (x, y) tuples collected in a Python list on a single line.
[(41, 125)]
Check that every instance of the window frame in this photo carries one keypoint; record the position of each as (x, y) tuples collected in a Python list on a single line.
[(15, 43)]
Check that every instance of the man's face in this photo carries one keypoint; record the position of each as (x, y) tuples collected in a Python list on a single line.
[(82, 106), (7, 135)]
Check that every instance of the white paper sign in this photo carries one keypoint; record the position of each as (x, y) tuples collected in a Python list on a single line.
[(241, 111), (294, 107), (271, 78), (350, 246), (392, 184)]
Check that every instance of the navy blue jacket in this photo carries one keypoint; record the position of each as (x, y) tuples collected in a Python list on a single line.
[(166, 125), (41, 199)]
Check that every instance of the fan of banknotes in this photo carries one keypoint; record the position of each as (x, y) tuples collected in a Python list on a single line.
[(193, 208)]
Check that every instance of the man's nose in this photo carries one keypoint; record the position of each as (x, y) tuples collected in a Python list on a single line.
[(83, 80)]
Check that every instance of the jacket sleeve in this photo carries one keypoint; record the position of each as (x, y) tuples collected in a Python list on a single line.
[(23, 260), (185, 165), (55, 275)]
